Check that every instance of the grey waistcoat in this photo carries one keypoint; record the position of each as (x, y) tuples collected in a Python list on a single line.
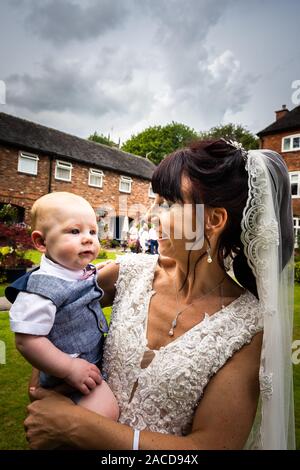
[(79, 321)]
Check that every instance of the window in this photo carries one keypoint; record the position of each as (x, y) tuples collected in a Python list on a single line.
[(291, 143), (151, 193), (297, 230), (63, 171), (96, 178), (125, 184), (28, 163), (295, 183)]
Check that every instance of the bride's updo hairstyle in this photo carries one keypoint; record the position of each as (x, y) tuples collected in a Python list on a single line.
[(218, 178)]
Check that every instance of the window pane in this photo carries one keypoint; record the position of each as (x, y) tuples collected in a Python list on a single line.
[(151, 193), (296, 142), (27, 165), (286, 144), (96, 180), (125, 186), (63, 173), (294, 189), (294, 178)]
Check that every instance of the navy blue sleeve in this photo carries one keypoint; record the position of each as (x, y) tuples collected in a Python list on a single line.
[(19, 285)]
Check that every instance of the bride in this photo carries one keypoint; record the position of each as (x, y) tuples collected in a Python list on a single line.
[(196, 360)]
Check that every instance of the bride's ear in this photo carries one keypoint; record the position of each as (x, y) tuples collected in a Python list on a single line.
[(216, 220), (38, 241)]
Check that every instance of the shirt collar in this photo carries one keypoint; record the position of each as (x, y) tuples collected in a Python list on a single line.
[(53, 269)]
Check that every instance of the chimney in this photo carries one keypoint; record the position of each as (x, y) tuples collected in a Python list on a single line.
[(282, 112)]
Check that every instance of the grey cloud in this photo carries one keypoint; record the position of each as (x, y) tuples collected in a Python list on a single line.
[(97, 88), (59, 89), (198, 78), (154, 65), (64, 21)]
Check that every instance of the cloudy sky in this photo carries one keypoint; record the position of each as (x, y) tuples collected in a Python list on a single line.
[(118, 66)]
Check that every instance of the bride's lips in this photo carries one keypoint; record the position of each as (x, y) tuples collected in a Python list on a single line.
[(163, 236), (160, 234)]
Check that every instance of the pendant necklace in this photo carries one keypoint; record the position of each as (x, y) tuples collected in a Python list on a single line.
[(179, 312)]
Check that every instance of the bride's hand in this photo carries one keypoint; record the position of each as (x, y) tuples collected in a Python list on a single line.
[(103, 264), (48, 420)]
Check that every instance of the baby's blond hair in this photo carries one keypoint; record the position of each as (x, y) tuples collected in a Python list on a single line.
[(48, 206)]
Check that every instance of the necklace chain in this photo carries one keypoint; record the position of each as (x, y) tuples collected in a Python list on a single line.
[(179, 312)]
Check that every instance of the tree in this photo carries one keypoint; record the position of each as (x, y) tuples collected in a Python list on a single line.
[(101, 139), (157, 141), (232, 132)]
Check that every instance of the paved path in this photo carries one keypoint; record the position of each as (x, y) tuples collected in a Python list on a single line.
[(4, 304)]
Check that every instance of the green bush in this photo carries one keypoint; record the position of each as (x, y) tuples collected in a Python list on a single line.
[(102, 254), (297, 272), (114, 243)]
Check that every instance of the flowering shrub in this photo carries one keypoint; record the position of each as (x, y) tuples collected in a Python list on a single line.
[(297, 272), (17, 238)]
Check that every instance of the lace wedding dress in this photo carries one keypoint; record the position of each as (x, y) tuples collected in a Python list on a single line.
[(163, 396)]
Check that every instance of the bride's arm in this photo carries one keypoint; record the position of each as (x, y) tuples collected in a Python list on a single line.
[(222, 420), (107, 277)]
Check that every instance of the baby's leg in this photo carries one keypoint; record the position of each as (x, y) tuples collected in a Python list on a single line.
[(101, 400)]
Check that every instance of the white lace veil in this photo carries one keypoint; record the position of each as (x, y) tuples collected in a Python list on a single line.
[(268, 241)]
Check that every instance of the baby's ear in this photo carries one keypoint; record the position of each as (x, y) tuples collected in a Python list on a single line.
[(38, 241)]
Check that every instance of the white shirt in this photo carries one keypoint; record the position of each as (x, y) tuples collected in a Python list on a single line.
[(33, 314), (153, 234)]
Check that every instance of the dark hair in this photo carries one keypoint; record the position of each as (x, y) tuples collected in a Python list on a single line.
[(216, 170)]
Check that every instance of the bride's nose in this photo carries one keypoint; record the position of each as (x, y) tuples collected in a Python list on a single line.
[(152, 214)]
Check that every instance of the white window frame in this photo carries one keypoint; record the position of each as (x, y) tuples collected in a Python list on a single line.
[(93, 172), (293, 173), (28, 156), (125, 179), (150, 192), (64, 165), (296, 229), (291, 137)]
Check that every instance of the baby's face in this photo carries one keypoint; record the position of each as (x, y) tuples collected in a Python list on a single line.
[(72, 239)]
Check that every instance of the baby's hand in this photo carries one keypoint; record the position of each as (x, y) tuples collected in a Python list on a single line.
[(83, 375)]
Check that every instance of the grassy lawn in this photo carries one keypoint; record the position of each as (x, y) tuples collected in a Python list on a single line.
[(297, 367), (14, 378)]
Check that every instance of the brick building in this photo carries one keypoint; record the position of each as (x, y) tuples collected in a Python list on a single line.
[(36, 160), (283, 136)]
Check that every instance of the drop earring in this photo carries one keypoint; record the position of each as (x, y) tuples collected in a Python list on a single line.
[(209, 258)]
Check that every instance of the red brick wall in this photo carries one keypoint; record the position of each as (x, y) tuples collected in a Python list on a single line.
[(292, 159), (22, 189)]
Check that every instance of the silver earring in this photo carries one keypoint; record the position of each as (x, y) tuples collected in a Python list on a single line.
[(209, 258)]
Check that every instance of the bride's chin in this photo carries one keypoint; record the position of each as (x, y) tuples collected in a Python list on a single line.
[(164, 245)]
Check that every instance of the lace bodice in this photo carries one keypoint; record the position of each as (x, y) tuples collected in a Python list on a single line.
[(163, 397)]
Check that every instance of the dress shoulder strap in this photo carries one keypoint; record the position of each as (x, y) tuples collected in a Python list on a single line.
[(136, 265)]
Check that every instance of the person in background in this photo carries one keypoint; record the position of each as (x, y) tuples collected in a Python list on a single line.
[(144, 237), (153, 237)]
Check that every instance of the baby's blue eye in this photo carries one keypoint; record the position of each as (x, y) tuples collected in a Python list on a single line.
[(93, 232), (75, 231)]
